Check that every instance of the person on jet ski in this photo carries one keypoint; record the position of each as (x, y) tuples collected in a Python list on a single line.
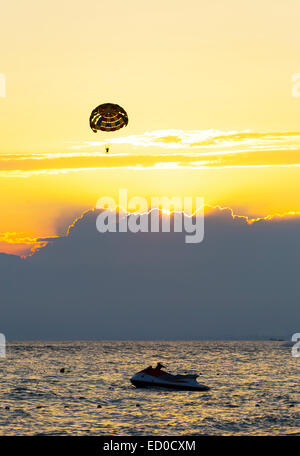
[(157, 368)]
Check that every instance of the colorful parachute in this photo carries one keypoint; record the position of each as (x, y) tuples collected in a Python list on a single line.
[(108, 117)]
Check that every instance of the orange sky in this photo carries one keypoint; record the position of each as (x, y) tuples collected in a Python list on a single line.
[(207, 87)]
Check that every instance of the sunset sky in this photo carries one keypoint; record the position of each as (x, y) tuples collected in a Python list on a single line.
[(207, 86)]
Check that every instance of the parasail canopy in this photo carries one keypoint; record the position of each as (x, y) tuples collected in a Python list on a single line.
[(108, 117)]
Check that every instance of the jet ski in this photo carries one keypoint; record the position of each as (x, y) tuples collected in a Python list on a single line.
[(156, 377)]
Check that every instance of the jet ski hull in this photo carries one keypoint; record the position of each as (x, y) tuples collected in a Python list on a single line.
[(141, 380), (177, 387)]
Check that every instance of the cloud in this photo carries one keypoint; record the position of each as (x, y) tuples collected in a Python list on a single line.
[(20, 243), (241, 281), (167, 149), (182, 139)]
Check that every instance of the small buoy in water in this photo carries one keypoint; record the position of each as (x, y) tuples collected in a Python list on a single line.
[(99, 406), (7, 408), (62, 370), (257, 405), (292, 405), (39, 406), (137, 405)]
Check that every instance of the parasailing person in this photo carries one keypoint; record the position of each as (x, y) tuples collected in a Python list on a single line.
[(108, 117)]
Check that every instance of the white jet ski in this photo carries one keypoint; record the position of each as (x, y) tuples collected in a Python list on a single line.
[(156, 377)]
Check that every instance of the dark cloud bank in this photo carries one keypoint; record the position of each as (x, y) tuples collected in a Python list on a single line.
[(242, 281)]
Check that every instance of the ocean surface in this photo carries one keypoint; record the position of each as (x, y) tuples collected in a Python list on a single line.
[(255, 389)]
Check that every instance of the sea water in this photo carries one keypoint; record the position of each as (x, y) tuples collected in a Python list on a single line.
[(254, 389)]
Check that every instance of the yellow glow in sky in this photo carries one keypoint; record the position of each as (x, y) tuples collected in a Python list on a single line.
[(207, 86)]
